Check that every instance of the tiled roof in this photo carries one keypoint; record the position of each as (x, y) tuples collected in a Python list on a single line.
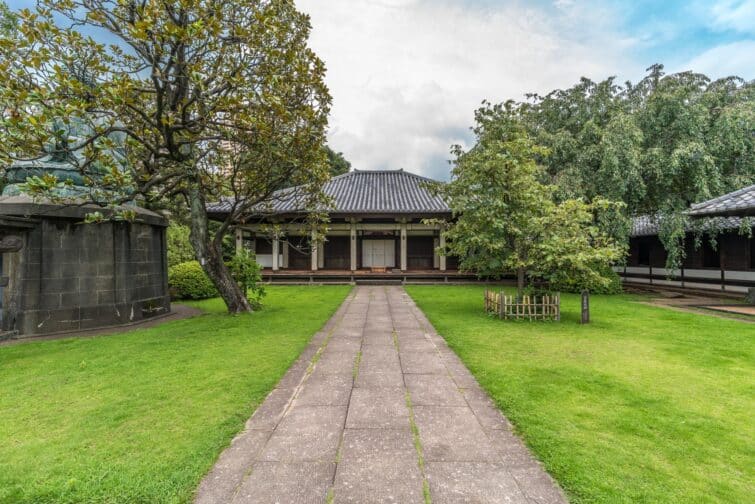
[(364, 192), (738, 203), (649, 225)]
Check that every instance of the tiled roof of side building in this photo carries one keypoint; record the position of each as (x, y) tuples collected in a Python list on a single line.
[(365, 192), (649, 225), (738, 203)]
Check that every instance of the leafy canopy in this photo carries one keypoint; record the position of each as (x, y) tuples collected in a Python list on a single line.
[(337, 162), (657, 145), (190, 101), (506, 220)]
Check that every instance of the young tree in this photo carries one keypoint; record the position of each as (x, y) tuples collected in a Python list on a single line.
[(195, 99), (506, 220)]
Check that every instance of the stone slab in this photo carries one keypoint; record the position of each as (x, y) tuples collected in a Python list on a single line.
[(452, 434), (422, 363), (379, 359), (269, 413), (378, 480), (331, 362), (325, 390), (306, 434), (433, 390), (377, 408), (395, 444), (289, 483), (231, 468), (379, 380), (538, 486), (478, 482)]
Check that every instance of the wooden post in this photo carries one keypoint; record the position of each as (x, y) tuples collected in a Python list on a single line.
[(276, 251), (442, 244), (403, 247), (314, 247), (353, 247), (585, 307), (285, 255), (239, 240), (321, 255)]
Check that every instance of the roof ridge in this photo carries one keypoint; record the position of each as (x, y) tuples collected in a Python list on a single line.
[(400, 170)]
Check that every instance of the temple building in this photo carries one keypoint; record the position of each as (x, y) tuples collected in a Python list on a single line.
[(376, 227)]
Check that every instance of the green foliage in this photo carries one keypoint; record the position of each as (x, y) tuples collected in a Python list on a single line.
[(507, 221), (338, 164), (179, 246), (657, 145), (8, 20), (247, 273), (179, 89), (604, 280), (574, 253), (189, 281), (661, 144)]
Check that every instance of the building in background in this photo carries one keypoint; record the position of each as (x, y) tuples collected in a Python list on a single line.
[(376, 225), (728, 267)]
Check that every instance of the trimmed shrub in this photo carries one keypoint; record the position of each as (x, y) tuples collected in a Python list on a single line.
[(189, 281)]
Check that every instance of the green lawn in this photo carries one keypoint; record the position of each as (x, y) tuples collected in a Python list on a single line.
[(142, 416), (645, 404)]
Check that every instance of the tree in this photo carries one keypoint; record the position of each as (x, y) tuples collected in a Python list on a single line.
[(195, 100), (338, 164), (506, 220), (657, 145)]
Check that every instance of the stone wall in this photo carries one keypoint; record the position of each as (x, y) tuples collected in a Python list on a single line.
[(71, 276)]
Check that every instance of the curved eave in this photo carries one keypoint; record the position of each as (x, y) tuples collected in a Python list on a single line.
[(702, 214)]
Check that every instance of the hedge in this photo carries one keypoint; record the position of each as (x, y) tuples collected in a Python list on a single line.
[(187, 280)]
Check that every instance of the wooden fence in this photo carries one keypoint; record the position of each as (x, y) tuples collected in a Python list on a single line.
[(545, 307)]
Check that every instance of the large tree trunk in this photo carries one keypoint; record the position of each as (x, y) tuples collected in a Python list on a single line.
[(209, 253), (520, 281)]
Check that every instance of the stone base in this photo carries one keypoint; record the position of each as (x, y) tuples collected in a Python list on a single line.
[(71, 276)]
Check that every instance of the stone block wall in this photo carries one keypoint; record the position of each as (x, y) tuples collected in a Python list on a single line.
[(71, 276)]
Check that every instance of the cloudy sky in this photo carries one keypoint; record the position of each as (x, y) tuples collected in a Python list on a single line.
[(406, 75)]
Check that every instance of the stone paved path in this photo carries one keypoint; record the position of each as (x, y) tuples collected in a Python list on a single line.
[(377, 409)]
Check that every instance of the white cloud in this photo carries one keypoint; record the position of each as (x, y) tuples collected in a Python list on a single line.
[(738, 15), (407, 75), (736, 58)]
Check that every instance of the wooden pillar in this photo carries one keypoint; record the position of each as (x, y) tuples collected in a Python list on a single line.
[(314, 247), (722, 262), (442, 244), (276, 252), (436, 257), (403, 246), (239, 240), (321, 255), (353, 244), (285, 254)]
